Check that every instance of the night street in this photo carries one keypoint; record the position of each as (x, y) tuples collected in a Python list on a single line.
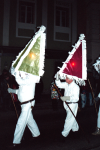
[(49, 67), (51, 124)]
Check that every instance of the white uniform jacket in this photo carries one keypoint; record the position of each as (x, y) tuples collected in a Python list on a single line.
[(26, 88), (71, 90)]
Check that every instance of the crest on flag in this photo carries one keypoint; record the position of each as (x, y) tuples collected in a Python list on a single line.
[(75, 65), (31, 59)]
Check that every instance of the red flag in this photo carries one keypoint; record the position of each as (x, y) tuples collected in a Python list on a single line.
[(75, 65)]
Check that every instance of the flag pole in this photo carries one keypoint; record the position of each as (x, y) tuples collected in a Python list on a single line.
[(71, 111)]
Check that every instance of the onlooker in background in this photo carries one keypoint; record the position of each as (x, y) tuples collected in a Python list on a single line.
[(90, 88), (6, 97), (97, 96), (83, 92), (54, 96)]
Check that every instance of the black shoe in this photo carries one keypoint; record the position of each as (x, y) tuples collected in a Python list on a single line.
[(13, 146), (33, 138), (97, 132), (62, 139)]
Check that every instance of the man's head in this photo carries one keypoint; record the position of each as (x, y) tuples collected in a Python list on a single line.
[(68, 80)]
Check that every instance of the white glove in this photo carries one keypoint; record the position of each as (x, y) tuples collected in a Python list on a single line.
[(11, 90), (65, 98)]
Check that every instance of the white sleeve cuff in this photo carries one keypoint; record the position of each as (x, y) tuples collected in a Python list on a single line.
[(99, 95)]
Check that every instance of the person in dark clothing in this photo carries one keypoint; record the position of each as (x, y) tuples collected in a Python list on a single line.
[(6, 97), (90, 88), (54, 96), (97, 88), (4, 72), (97, 97), (83, 94)]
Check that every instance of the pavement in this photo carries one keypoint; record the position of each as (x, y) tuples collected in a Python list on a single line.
[(50, 124)]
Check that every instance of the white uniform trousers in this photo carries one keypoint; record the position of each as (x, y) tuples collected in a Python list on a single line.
[(70, 121), (98, 119), (26, 118)]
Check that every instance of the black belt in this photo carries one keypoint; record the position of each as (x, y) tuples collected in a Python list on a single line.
[(71, 102), (26, 102)]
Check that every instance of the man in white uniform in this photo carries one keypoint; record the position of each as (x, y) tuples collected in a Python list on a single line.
[(71, 97), (74, 72), (27, 68), (26, 97)]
